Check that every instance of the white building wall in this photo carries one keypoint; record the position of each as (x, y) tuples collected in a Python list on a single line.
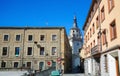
[(103, 71), (88, 67), (111, 65), (93, 66)]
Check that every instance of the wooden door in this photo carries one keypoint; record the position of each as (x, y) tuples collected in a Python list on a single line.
[(117, 66)]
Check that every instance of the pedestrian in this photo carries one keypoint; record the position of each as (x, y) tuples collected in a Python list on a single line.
[(62, 72)]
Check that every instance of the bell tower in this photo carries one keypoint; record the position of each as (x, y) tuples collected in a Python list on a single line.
[(75, 40)]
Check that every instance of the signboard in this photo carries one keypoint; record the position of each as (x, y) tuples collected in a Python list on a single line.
[(49, 63), (59, 60)]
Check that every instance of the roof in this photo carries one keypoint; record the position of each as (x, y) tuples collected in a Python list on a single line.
[(32, 27)]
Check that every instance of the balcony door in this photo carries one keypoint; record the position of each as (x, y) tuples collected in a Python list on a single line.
[(117, 66)]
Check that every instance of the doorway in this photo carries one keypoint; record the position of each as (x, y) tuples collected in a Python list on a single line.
[(117, 66)]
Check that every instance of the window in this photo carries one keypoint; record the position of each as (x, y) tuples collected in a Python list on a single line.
[(4, 52), (98, 40), (41, 50), (86, 38), (113, 33), (93, 43), (91, 46), (54, 50), (97, 22), (15, 64), (28, 64), (102, 14), (88, 35), (54, 37), (17, 37), (90, 32), (29, 52), (110, 5), (3, 64), (104, 37), (17, 51), (93, 28), (42, 37), (41, 65), (6, 37), (30, 37)]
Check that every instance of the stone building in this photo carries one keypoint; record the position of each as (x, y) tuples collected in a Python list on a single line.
[(75, 40), (102, 39), (36, 48)]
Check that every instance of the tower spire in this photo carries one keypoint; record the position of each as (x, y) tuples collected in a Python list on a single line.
[(75, 22)]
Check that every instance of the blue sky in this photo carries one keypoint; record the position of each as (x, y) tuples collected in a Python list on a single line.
[(42, 13)]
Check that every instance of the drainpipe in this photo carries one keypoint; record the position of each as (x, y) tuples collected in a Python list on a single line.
[(60, 51), (23, 47)]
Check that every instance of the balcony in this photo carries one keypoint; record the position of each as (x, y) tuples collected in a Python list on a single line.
[(95, 50)]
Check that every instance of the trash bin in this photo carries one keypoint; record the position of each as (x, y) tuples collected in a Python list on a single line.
[(55, 73)]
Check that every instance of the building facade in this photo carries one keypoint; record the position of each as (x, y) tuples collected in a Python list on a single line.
[(37, 48), (75, 40), (102, 39)]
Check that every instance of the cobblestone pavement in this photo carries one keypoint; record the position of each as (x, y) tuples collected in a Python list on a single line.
[(73, 74)]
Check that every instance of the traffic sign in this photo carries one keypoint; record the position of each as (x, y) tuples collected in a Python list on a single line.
[(59, 60), (49, 63)]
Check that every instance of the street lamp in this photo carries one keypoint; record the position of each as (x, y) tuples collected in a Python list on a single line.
[(100, 49), (31, 70), (38, 45)]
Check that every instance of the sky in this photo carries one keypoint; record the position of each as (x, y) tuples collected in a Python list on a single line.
[(43, 13)]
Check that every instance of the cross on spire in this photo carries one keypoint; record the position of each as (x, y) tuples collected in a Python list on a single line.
[(75, 22)]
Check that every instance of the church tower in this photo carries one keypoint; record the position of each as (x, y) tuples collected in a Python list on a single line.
[(75, 40)]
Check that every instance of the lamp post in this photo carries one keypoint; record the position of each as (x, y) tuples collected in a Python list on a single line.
[(100, 49), (99, 35), (99, 45)]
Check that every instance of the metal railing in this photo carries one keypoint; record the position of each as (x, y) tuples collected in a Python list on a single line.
[(95, 50)]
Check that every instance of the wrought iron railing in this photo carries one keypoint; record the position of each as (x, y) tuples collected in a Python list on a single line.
[(95, 50)]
